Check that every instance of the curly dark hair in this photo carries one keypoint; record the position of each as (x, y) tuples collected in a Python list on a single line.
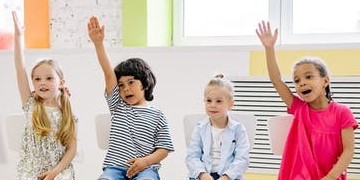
[(141, 71)]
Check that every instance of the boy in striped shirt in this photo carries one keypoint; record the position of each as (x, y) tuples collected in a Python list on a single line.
[(139, 134)]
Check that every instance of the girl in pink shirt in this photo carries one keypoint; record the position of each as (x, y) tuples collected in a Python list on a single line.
[(320, 144)]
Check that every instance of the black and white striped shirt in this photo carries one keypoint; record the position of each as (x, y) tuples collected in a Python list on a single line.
[(135, 131)]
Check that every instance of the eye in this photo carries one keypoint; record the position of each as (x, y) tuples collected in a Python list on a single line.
[(219, 101), (309, 76), (296, 81), (49, 78), (131, 82), (120, 85), (208, 100)]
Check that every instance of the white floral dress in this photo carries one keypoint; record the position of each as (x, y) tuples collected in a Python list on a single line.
[(40, 155)]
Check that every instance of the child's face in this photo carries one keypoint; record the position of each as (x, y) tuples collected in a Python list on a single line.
[(217, 102), (47, 83), (308, 83), (132, 91)]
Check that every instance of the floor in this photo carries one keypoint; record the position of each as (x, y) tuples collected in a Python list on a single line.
[(253, 176)]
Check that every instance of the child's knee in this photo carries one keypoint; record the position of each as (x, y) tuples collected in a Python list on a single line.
[(148, 174)]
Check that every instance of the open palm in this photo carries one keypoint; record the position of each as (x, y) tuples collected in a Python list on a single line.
[(96, 33), (265, 35)]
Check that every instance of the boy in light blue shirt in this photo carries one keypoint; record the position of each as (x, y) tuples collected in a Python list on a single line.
[(219, 146)]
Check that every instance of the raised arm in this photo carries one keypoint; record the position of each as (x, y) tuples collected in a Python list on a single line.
[(22, 78), (97, 34), (268, 40)]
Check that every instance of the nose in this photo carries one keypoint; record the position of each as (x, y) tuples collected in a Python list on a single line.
[(42, 81), (302, 83), (212, 104)]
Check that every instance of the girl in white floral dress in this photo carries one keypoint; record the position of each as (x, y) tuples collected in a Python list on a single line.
[(49, 139)]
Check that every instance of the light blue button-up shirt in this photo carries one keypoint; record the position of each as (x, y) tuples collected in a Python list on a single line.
[(235, 148)]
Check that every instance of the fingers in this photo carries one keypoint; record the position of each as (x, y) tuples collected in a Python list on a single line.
[(14, 16), (276, 33), (134, 169), (268, 26), (131, 171), (102, 29), (94, 27), (264, 27), (131, 161), (259, 30), (15, 19), (18, 29), (94, 23), (42, 176)]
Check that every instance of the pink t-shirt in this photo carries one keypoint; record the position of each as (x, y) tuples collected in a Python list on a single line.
[(314, 142)]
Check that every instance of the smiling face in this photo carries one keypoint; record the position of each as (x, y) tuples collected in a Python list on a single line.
[(218, 102), (131, 91), (309, 84), (46, 83)]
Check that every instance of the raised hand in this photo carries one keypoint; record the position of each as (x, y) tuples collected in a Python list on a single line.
[(18, 30), (265, 35), (96, 33)]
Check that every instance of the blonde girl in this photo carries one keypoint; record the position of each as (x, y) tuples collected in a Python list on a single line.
[(49, 138)]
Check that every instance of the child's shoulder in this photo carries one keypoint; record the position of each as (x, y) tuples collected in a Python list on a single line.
[(234, 124), (29, 102), (203, 123), (156, 109)]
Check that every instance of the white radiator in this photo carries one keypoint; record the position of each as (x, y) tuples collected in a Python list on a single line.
[(257, 95)]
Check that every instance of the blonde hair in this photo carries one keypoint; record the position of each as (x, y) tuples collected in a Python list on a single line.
[(220, 81), (40, 120)]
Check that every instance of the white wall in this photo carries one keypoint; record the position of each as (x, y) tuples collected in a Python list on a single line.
[(181, 72)]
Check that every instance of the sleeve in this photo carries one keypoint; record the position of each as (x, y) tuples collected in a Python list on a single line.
[(241, 162), (348, 119), (113, 99), (29, 103), (297, 102), (193, 158), (163, 137)]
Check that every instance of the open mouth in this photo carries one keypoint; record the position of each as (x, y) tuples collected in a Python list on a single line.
[(129, 96), (306, 92), (43, 89)]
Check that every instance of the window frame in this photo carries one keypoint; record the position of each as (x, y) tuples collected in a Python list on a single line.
[(180, 40), (280, 16), (289, 38)]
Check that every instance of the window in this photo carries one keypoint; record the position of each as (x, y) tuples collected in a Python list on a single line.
[(321, 21), (233, 22)]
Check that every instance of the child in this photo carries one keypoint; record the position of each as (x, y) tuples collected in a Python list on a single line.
[(320, 144), (219, 146), (139, 135), (49, 138)]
